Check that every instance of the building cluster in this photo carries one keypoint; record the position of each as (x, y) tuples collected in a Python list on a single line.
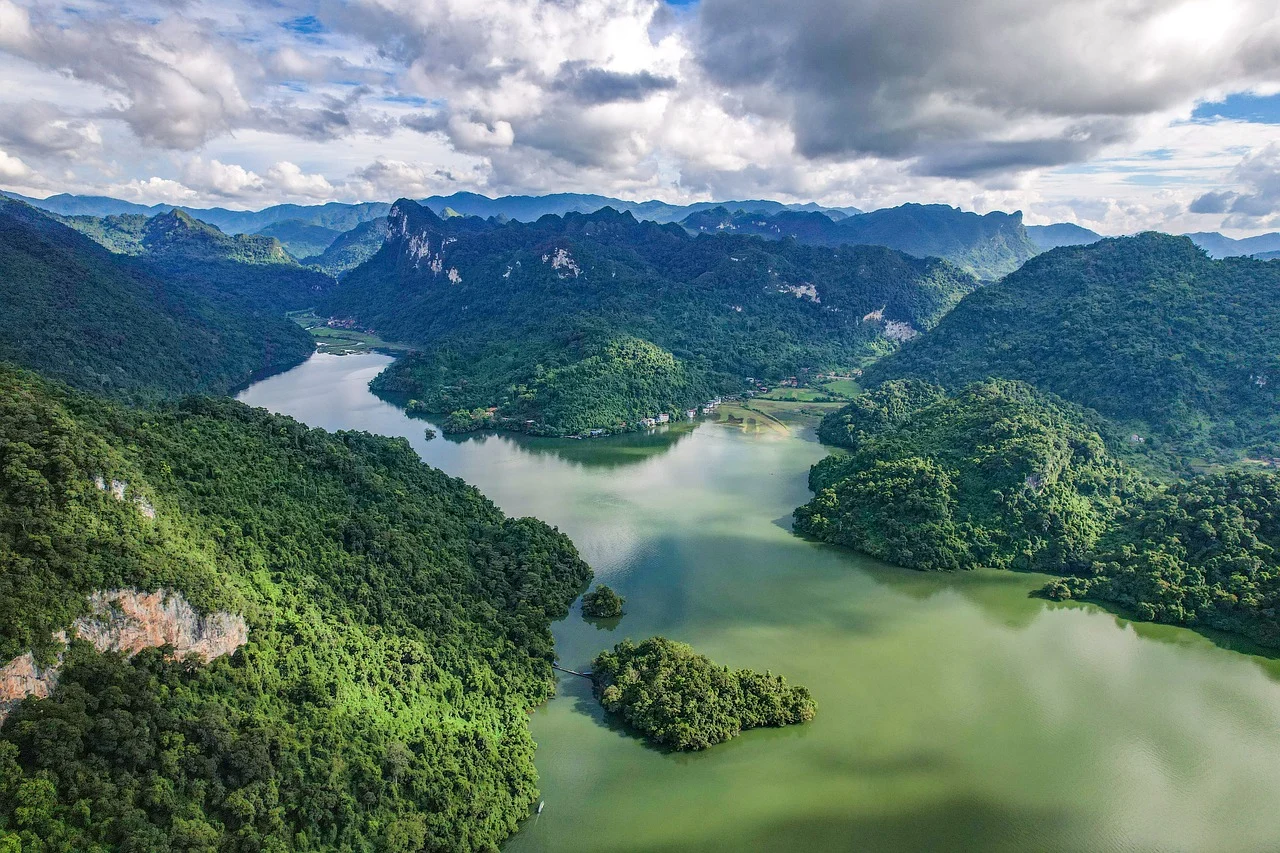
[(706, 408)]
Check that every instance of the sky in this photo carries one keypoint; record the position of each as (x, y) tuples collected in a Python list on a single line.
[(1118, 115)]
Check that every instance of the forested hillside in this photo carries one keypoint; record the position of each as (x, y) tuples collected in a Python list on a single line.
[(350, 249), (122, 326), (1003, 476), (577, 384), (988, 246), (495, 303), (997, 475), (1180, 349), (244, 271), (398, 631)]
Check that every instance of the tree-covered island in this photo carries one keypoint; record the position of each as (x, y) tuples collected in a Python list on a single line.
[(684, 701), (602, 603)]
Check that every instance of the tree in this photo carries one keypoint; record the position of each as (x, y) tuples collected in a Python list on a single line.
[(602, 603)]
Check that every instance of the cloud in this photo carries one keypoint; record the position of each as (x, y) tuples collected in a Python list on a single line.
[(591, 85), (12, 168), (154, 191), (1255, 200), (971, 88), (1213, 202), (222, 179), (291, 180), (1052, 107), (233, 181), (390, 179), (45, 129), (178, 82)]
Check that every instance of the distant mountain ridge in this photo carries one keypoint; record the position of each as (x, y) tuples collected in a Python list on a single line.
[(1060, 234), (1220, 246), (334, 215), (989, 246), (341, 216), (529, 208)]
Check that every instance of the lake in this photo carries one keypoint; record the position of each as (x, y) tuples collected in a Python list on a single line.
[(955, 712)]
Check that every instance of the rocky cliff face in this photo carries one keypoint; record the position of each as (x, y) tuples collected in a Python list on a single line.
[(128, 621)]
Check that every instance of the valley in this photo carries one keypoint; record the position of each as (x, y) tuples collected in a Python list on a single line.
[(1027, 538), (639, 426)]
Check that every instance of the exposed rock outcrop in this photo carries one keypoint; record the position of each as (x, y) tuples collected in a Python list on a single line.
[(129, 621)]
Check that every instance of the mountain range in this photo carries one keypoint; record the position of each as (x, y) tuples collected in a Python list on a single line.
[(505, 310), (988, 246)]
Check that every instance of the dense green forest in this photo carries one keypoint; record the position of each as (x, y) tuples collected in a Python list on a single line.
[(988, 246), (1001, 475), (998, 475), (178, 233), (581, 385), (398, 633), (1203, 552), (1179, 349), (602, 603), (117, 325), (682, 700), (491, 302)]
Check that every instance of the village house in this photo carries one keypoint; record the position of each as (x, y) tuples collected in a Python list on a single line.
[(664, 418)]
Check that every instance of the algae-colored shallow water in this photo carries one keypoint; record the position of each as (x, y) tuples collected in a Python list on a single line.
[(955, 712)]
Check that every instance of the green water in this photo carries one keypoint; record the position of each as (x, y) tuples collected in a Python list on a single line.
[(955, 712)]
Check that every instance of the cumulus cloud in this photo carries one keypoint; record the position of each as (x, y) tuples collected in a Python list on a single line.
[(233, 181), (982, 86), (178, 81), (12, 168), (222, 179), (289, 179), (1256, 199), (154, 191), (388, 179), (866, 102), (44, 129)]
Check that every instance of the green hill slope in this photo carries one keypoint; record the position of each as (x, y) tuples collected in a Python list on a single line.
[(998, 475), (244, 271), (350, 248), (117, 325), (1001, 475), (398, 633), (1180, 349)]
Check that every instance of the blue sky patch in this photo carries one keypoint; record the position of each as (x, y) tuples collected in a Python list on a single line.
[(306, 24), (1259, 109)]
